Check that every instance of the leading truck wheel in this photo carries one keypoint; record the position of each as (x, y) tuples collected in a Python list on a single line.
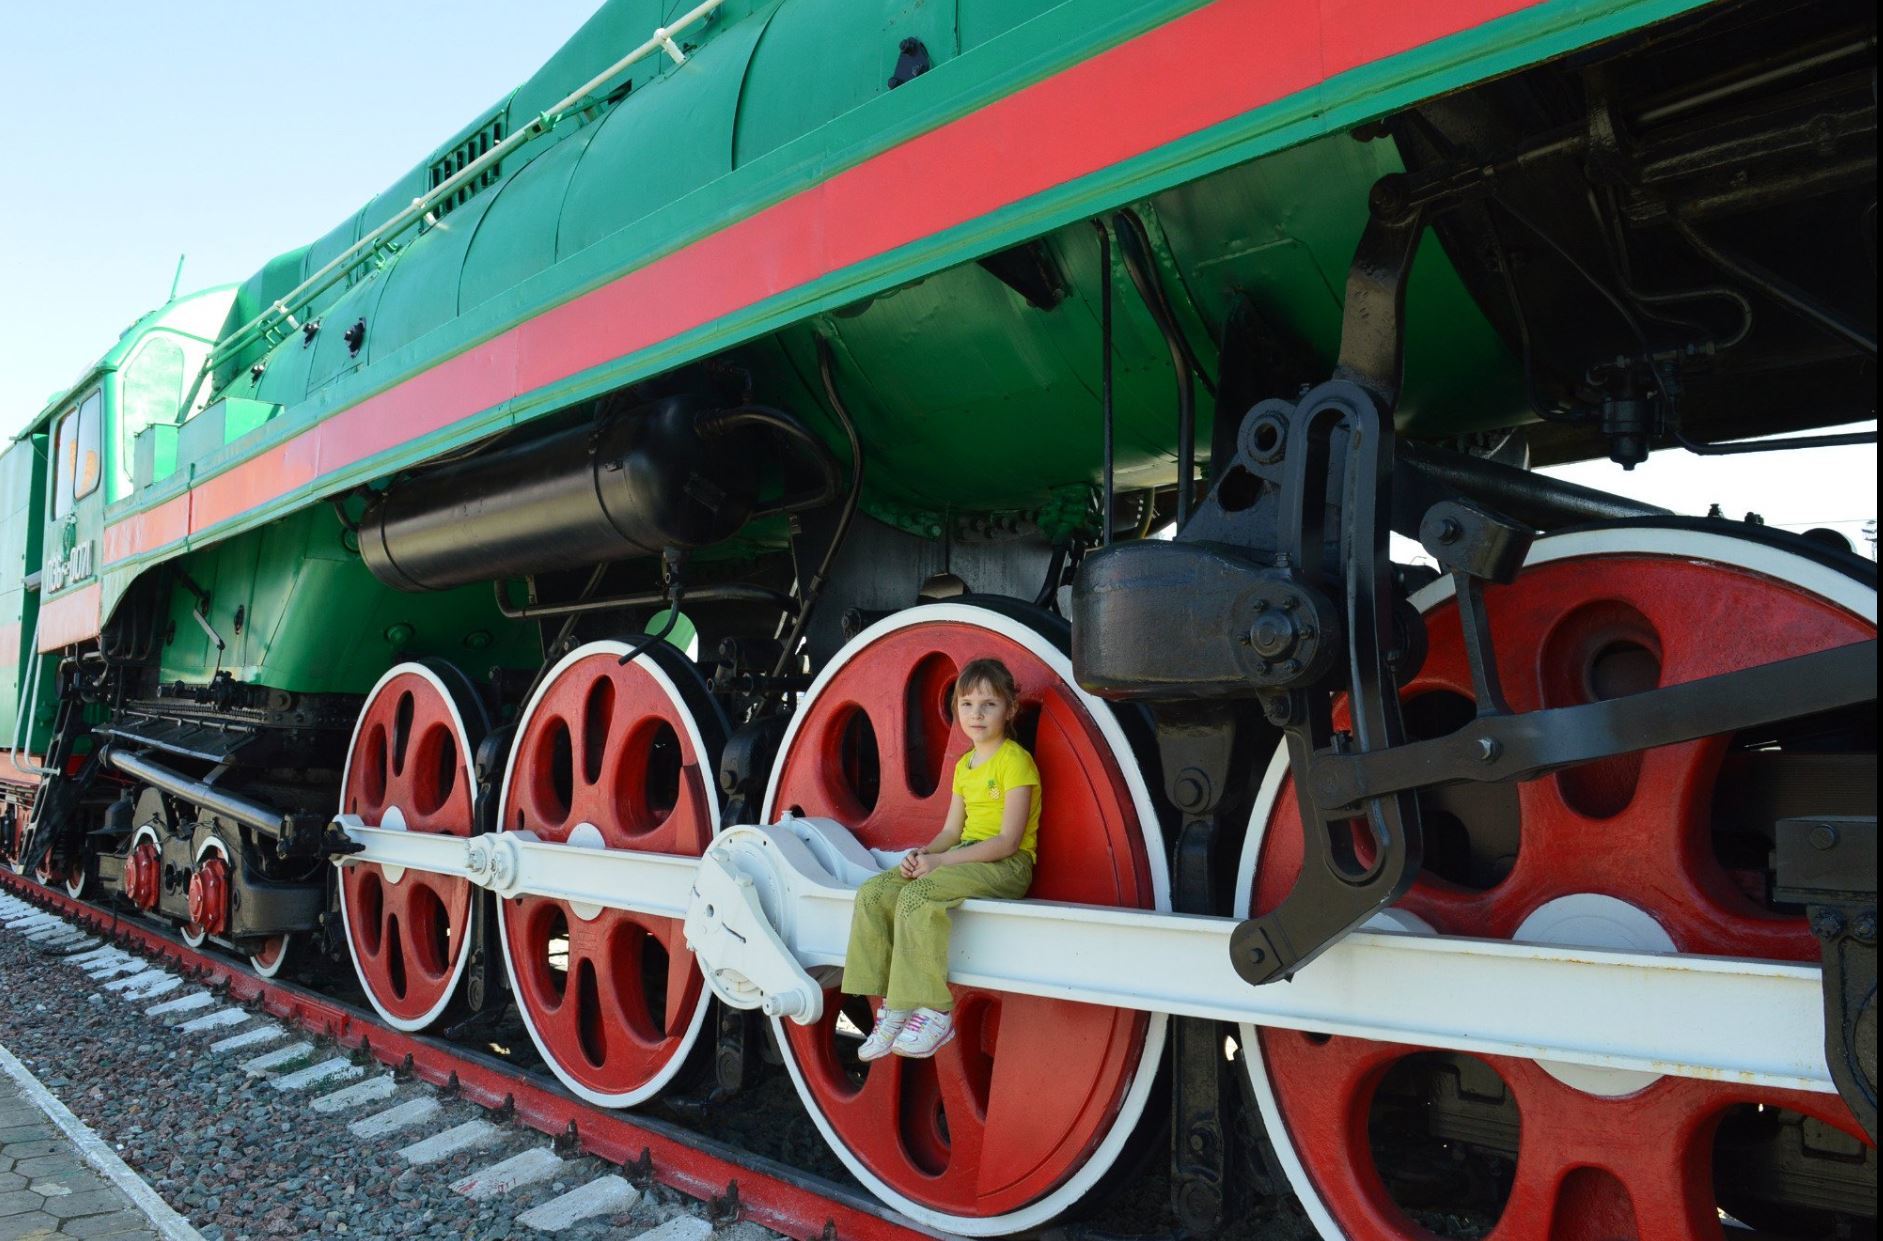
[(1021, 1116), (1643, 851), (409, 767), (611, 756)]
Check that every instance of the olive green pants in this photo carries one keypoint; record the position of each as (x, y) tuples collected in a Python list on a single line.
[(899, 932)]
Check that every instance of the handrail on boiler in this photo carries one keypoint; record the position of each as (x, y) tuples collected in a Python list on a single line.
[(662, 40)]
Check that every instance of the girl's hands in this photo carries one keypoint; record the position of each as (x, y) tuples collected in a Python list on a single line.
[(916, 864)]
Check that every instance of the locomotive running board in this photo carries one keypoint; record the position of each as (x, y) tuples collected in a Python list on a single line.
[(768, 905)]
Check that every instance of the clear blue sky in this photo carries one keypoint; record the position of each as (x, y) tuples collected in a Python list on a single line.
[(227, 130), (231, 131)]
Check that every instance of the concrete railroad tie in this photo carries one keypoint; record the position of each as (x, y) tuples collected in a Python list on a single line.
[(248, 1038), (404, 1116), (605, 1195), (539, 1163), (471, 1135), (347, 1098)]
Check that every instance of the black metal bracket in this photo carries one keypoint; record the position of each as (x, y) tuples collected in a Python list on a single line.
[(1196, 746), (1342, 881), (1828, 865), (1522, 747)]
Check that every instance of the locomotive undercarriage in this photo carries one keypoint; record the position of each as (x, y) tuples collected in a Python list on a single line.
[(1602, 735)]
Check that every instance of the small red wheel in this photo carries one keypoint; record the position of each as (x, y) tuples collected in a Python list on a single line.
[(143, 871), (273, 955), (1017, 1119), (71, 877), (409, 767), (1629, 852), (611, 756), (208, 894)]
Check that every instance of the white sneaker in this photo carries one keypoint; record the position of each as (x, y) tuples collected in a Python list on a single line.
[(925, 1032), (889, 1023)]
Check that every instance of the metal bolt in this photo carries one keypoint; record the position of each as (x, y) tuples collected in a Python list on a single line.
[(1291, 667), (1257, 955), (1863, 926), (1828, 923), (1450, 531), (1260, 606), (1488, 749), (1191, 790), (1291, 603), (1823, 836)]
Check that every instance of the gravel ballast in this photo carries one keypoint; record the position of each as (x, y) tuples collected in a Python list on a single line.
[(247, 1155)]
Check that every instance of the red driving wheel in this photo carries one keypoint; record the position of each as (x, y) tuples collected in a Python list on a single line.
[(1015, 1120), (1595, 615), (409, 766), (611, 756), (142, 872)]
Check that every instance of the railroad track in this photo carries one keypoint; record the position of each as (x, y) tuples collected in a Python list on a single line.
[(408, 1094)]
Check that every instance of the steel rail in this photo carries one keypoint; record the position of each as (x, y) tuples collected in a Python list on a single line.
[(766, 905), (775, 1196)]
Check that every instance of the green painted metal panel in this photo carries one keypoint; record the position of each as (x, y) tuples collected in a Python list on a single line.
[(515, 237), (276, 279), (421, 289), (617, 26), (979, 21), (155, 455), (663, 142), (225, 422), (332, 355), (22, 501), (291, 581), (854, 45)]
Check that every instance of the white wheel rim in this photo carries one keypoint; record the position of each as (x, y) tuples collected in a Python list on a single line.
[(281, 958), (659, 1080), (1131, 1110), (1760, 558)]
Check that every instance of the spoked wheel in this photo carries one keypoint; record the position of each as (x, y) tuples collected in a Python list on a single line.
[(611, 756), (1657, 851), (1019, 1117), (409, 768)]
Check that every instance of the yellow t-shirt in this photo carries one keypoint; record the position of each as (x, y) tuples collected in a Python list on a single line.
[(984, 789)]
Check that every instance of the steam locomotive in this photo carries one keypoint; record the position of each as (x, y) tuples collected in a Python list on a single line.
[(537, 599)]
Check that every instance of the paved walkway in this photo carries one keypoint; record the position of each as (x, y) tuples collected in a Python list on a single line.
[(48, 1185)]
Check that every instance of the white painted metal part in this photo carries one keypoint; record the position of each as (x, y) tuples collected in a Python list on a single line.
[(768, 904)]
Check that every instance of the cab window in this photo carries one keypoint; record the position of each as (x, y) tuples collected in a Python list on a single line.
[(150, 391), (75, 455)]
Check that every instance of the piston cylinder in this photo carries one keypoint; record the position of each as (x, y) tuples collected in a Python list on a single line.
[(653, 478)]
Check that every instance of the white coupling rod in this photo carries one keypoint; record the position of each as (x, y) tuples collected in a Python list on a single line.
[(767, 905)]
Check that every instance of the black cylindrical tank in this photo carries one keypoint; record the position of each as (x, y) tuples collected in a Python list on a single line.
[(639, 482)]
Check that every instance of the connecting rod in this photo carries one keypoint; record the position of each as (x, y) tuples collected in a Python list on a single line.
[(768, 908)]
